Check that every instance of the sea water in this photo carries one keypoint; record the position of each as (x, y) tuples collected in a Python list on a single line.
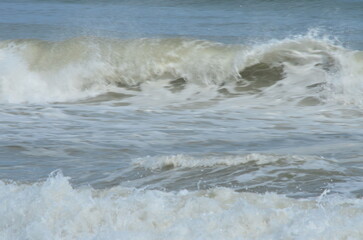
[(181, 119)]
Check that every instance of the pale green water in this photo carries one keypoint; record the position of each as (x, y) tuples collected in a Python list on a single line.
[(130, 97)]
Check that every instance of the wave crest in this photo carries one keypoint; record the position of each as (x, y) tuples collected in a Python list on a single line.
[(41, 71)]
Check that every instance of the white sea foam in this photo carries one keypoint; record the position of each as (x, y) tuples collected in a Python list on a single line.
[(55, 210), (347, 84), (186, 161)]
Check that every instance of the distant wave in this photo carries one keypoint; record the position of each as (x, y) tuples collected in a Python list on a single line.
[(314, 69), (185, 161)]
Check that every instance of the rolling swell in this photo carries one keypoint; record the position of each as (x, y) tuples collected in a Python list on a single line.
[(80, 68)]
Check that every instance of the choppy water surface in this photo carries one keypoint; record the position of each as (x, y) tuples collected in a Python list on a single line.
[(178, 120)]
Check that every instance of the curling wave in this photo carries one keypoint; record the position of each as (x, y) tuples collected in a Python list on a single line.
[(312, 68)]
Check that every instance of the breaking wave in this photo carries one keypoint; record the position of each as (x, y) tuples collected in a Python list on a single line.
[(185, 161), (308, 68), (55, 210)]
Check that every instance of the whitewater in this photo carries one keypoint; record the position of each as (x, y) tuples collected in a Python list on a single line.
[(181, 120)]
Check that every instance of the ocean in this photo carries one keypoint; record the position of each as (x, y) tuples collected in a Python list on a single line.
[(181, 119)]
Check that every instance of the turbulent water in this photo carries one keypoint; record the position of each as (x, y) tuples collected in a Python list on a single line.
[(181, 120)]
